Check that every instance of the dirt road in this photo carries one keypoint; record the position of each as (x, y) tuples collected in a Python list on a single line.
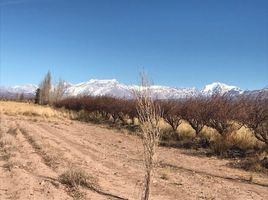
[(45, 149)]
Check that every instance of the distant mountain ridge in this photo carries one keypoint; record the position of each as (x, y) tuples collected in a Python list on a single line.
[(11, 92), (112, 87)]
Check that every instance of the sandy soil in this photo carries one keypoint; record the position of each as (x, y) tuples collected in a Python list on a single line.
[(114, 158)]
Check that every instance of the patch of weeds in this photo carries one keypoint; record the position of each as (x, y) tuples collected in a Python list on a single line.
[(7, 140), (76, 193), (7, 155), (10, 165), (254, 164), (50, 159), (74, 177), (13, 131), (164, 176)]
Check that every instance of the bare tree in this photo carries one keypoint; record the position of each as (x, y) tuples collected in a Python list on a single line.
[(58, 91), (254, 115), (194, 112), (45, 88), (149, 115), (220, 114), (171, 113)]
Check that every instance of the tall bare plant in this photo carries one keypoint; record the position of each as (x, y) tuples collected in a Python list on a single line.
[(149, 115), (45, 87), (58, 91)]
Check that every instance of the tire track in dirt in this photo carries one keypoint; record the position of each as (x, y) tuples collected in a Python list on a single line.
[(24, 180)]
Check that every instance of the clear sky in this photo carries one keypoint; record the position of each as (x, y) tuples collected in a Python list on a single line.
[(182, 43)]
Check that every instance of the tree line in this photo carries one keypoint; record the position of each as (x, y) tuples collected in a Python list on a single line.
[(223, 113)]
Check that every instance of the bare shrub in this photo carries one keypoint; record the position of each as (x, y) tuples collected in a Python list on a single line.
[(13, 131), (7, 140), (45, 87), (11, 164), (149, 115), (254, 163), (58, 91), (74, 177)]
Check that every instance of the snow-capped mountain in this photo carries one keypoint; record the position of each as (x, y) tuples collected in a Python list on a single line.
[(99, 88), (11, 92), (165, 92), (221, 88), (114, 88)]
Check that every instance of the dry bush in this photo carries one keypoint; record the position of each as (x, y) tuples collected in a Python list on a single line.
[(149, 115), (253, 163), (7, 141), (241, 144), (74, 177), (14, 131), (11, 164)]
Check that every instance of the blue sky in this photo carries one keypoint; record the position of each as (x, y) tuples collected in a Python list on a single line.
[(182, 43)]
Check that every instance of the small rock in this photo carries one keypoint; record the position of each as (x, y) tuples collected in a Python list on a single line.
[(42, 183)]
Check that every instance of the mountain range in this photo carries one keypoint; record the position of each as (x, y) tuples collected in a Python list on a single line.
[(114, 88)]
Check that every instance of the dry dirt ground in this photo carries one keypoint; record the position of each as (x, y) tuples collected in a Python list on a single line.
[(43, 149)]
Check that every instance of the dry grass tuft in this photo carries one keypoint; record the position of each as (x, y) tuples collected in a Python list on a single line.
[(74, 177), (7, 141), (165, 175), (11, 164), (14, 131)]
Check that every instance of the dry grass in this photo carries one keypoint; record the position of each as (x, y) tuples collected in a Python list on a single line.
[(14, 131), (74, 177), (7, 141), (29, 109), (165, 174), (11, 164), (8, 147)]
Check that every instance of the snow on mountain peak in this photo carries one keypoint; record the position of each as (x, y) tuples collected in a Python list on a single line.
[(220, 88), (97, 87), (103, 81)]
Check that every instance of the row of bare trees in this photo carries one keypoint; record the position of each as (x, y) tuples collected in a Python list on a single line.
[(222, 113)]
